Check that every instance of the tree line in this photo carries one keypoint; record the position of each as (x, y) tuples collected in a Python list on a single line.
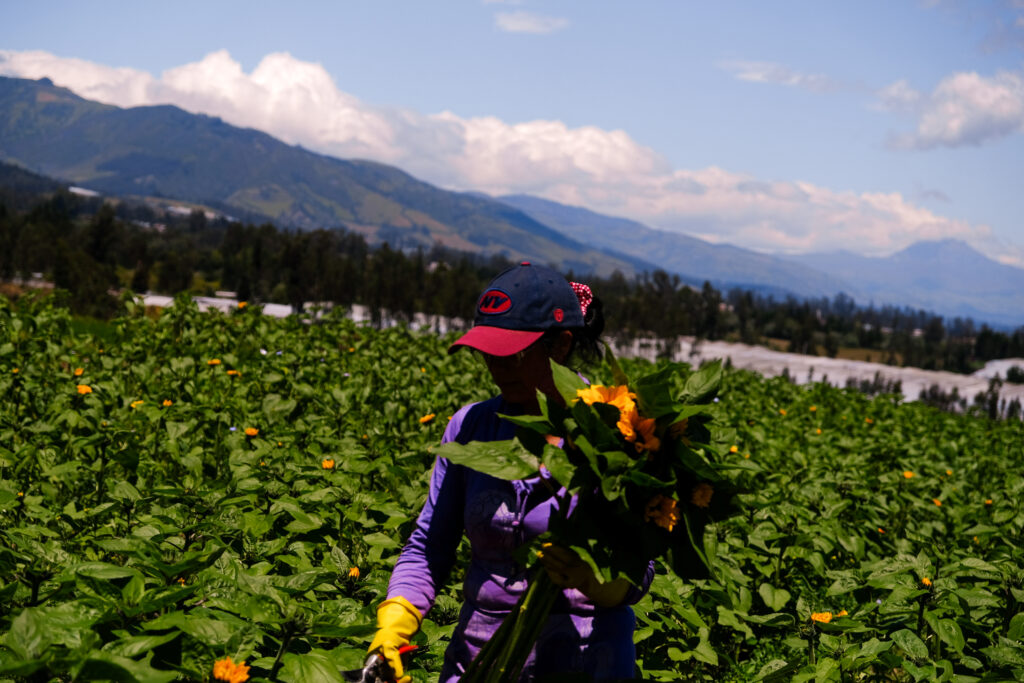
[(92, 249)]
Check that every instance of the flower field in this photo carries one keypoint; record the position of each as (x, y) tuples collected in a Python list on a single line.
[(203, 486)]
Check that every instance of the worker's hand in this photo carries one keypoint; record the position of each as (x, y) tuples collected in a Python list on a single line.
[(568, 570), (397, 621)]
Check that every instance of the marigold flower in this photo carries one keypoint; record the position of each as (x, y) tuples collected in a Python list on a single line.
[(251, 431), (233, 373), (782, 411), (881, 530), (353, 573), (926, 581), (701, 494), (21, 494), (988, 501), (15, 371), (78, 371), (813, 408), (136, 404), (243, 304), (84, 389), (663, 511), (226, 670), (327, 464), (818, 430), (907, 474), (938, 503), (423, 369), (949, 473), (427, 418), (213, 361), (843, 613), (869, 420), (821, 617), (734, 449), (168, 403), (351, 349)]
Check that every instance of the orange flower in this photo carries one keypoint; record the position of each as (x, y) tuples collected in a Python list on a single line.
[(353, 573), (213, 361), (988, 501), (136, 404), (907, 474), (949, 473), (78, 371), (619, 396), (15, 371), (168, 403), (701, 495), (243, 304), (427, 418), (251, 431), (734, 449), (813, 408), (227, 670), (782, 411), (84, 389), (639, 430), (843, 613), (869, 420), (233, 373), (663, 511), (818, 430), (327, 464), (821, 617), (881, 530), (938, 503), (926, 581)]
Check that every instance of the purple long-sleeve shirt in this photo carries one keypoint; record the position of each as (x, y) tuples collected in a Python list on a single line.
[(498, 516)]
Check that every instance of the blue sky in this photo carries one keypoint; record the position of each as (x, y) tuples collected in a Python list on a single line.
[(782, 126)]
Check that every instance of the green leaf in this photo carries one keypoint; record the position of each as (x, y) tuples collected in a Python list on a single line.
[(703, 385), (133, 646), (567, 382), (502, 459), (311, 667), (558, 464), (103, 666), (276, 408), (1016, 629), (774, 598), (29, 634), (909, 642)]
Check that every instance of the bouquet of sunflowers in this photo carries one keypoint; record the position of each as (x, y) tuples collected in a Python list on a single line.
[(640, 481)]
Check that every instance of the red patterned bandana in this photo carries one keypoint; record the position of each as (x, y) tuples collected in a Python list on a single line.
[(584, 294)]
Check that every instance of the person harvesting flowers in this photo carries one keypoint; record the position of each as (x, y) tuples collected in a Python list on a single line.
[(527, 317)]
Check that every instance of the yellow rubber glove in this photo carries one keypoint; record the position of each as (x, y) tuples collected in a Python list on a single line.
[(397, 621), (568, 570)]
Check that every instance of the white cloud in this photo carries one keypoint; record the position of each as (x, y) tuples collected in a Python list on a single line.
[(770, 72), (964, 109), (528, 22), (603, 170)]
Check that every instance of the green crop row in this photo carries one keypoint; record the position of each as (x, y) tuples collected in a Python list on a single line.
[(204, 485)]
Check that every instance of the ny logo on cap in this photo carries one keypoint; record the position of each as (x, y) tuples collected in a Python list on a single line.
[(494, 302)]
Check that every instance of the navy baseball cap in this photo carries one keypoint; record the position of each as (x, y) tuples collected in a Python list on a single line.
[(518, 307)]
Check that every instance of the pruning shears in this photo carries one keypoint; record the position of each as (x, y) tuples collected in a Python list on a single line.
[(376, 668)]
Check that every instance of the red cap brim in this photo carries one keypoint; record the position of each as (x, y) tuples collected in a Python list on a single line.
[(496, 341)]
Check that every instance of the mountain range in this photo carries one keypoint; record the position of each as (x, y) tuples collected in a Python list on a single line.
[(166, 152)]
